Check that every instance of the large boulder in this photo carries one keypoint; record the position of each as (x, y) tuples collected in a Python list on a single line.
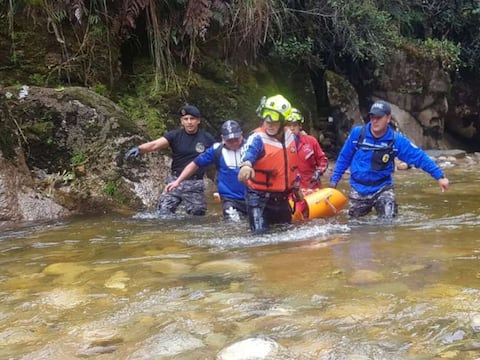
[(417, 88), (61, 153)]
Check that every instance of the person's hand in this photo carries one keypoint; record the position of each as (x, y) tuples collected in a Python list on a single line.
[(246, 172), (170, 186), (444, 184), (297, 195), (135, 152), (315, 177)]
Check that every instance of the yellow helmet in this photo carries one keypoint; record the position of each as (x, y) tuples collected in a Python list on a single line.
[(276, 108), (295, 116)]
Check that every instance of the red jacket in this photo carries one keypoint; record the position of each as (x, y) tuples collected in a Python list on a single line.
[(311, 157)]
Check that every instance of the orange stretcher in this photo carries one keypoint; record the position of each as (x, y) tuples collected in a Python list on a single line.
[(320, 203)]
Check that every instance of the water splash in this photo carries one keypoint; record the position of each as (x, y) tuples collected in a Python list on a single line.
[(236, 237)]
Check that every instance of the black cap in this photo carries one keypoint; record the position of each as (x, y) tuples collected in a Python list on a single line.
[(189, 110), (231, 130)]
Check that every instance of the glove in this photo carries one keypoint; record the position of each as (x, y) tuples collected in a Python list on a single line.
[(135, 152), (316, 176), (246, 172)]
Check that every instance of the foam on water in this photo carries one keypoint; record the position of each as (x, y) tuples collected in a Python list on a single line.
[(231, 238)]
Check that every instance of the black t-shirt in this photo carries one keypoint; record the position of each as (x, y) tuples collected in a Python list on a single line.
[(186, 147)]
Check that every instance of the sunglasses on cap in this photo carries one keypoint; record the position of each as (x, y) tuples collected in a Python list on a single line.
[(270, 115)]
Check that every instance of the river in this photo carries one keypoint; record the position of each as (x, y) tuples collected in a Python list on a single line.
[(138, 287)]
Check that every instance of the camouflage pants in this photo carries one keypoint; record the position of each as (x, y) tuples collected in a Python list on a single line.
[(383, 201), (191, 192)]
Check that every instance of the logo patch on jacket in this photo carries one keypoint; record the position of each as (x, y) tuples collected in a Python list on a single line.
[(200, 148), (385, 158)]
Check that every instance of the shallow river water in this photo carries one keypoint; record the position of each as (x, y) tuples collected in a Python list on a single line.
[(138, 287)]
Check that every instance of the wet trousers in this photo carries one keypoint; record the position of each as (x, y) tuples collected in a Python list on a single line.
[(383, 201), (191, 192), (237, 204)]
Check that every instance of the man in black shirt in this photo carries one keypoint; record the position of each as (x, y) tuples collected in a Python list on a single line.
[(186, 143)]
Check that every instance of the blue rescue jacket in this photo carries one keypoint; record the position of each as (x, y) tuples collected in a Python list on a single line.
[(227, 167), (371, 160)]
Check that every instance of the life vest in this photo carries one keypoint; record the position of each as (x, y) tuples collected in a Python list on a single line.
[(277, 170), (382, 159)]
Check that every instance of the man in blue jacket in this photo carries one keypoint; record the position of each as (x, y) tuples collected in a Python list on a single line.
[(370, 151), (226, 157)]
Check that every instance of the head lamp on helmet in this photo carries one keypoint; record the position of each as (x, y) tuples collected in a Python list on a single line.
[(276, 108), (295, 117), (260, 107)]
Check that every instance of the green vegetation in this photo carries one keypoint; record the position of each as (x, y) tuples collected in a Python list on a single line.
[(114, 191), (78, 158), (110, 188), (82, 40)]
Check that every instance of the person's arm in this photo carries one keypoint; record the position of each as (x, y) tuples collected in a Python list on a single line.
[(321, 159), (254, 149), (160, 143), (345, 157), (411, 154), (188, 171)]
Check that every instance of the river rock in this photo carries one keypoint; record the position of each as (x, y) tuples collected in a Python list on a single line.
[(250, 349), (169, 267), (167, 345), (400, 165), (117, 280), (225, 266), (363, 276), (476, 323), (64, 298), (68, 270)]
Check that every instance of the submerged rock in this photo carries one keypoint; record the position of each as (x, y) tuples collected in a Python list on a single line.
[(250, 349), (362, 276), (225, 266)]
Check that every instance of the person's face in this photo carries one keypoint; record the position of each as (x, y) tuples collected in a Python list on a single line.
[(233, 144), (272, 128), (190, 123), (379, 124), (294, 127)]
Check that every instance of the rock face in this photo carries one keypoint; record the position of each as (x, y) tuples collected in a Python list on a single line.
[(61, 153), (346, 111), (18, 200), (417, 90), (463, 120)]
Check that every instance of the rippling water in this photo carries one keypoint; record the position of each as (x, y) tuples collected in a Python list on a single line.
[(146, 288)]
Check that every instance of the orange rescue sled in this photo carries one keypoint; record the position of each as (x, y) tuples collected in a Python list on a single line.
[(321, 203)]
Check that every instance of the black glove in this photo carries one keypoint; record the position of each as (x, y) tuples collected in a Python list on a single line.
[(135, 152), (315, 177)]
